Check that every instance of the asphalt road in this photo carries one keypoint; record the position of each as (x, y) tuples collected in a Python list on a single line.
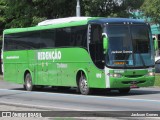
[(143, 99)]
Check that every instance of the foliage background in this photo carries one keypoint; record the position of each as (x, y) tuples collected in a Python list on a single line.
[(24, 13)]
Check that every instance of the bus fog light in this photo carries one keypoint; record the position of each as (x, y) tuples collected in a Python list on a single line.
[(151, 74)]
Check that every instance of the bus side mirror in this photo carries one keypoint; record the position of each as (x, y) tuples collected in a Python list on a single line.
[(105, 42), (155, 44)]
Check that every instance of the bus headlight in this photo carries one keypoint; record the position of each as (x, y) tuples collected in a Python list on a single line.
[(151, 73), (116, 75)]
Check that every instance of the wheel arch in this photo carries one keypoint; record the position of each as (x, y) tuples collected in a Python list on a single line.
[(25, 73), (78, 75)]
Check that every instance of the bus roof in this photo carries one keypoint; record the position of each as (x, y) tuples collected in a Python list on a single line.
[(49, 24), (62, 20), (117, 21), (70, 21)]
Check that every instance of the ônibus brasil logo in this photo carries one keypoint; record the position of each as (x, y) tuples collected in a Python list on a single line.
[(50, 55)]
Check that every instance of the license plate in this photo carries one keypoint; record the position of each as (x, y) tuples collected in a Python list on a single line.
[(134, 86)]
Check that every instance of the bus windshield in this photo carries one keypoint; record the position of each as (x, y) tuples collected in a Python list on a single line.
[(129, 46)]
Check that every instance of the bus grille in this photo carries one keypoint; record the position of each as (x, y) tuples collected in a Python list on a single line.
[(133, 82), (133, 76)]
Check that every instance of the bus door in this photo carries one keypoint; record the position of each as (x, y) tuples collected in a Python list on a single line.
[(97, 55), (96, 45)]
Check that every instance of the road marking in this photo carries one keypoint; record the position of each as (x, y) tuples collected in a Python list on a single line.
[(41, 106), (80, 96)]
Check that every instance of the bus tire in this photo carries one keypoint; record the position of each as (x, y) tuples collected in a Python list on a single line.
[(83, 86), (124, 90), (28, 83)]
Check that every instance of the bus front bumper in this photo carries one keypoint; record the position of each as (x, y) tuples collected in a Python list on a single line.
[(125, 82)]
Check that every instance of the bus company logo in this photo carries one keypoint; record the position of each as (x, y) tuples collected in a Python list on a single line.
[(49, 55)]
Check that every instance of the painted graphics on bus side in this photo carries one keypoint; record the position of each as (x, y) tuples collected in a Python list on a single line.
[(50, 55)]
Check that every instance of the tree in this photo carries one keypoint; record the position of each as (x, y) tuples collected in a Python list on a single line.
[(2, 16), (25, 13), (151, 8), (111, 8), (18, 13)]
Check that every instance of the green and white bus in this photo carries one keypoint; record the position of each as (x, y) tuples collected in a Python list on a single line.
[(80, 52)]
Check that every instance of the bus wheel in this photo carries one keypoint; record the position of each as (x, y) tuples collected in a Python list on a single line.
[(124, 90), (28, 82), (83, 86)]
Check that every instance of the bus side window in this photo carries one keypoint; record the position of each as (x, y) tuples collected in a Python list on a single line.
[(47, 39), (79, 36)]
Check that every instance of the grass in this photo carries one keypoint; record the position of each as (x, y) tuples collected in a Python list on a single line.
[(157, 80)]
